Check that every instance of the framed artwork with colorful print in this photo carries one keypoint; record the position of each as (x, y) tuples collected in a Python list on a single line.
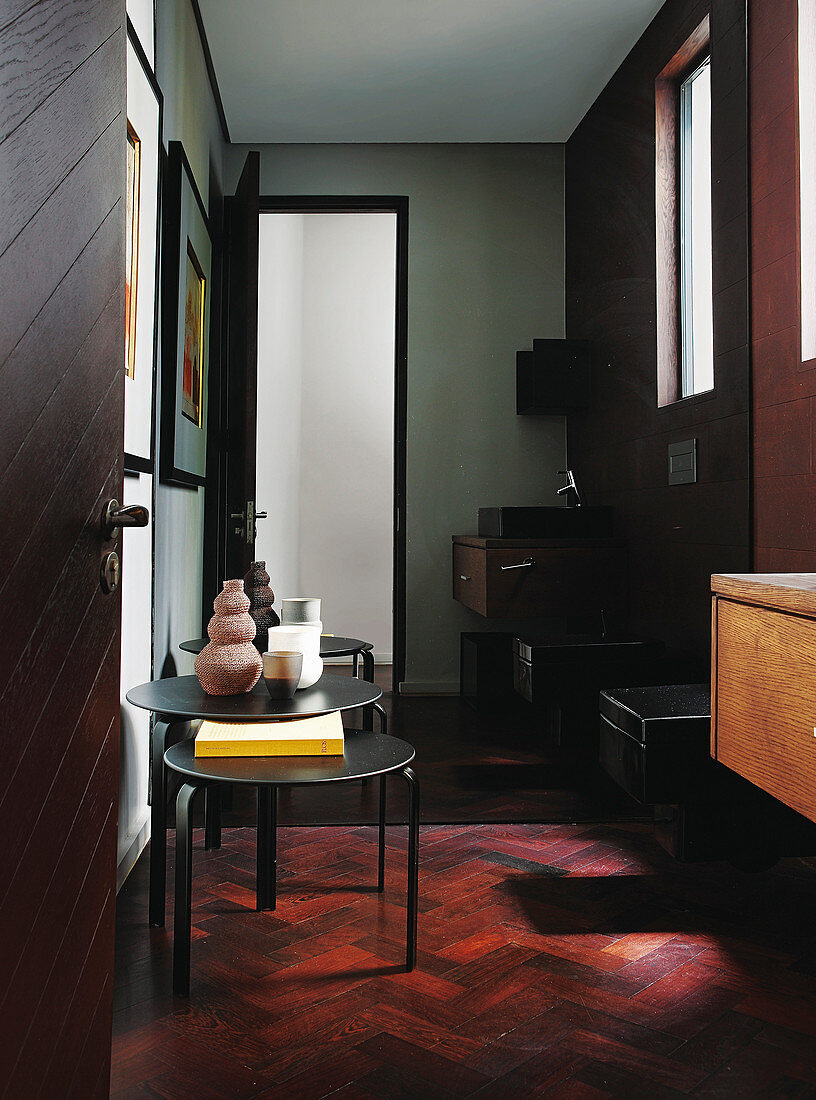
[(142, 207), (186, 294)]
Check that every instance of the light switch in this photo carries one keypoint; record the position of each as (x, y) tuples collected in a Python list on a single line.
[(683, 462)]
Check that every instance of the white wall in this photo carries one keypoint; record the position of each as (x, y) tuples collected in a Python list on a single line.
[(486, 275), (347, 422), (325, 387), (136, 668), (280, 324), (190, 116)]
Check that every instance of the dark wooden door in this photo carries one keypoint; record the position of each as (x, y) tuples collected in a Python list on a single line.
[(242, 212), (62, 166)]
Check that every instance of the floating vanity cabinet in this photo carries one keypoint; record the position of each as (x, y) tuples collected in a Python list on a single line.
[(528, 578), (763, 682)]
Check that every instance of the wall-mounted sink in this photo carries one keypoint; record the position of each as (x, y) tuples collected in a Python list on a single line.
[(545, 523)]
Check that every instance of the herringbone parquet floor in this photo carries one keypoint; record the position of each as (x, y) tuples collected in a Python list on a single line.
[(554, 960)]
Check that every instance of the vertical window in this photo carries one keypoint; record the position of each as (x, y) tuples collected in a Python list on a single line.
[(696, 301), (684, 260), (807, 176)]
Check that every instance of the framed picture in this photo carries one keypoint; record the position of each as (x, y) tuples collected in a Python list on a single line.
[(142, 200), (186, 295)]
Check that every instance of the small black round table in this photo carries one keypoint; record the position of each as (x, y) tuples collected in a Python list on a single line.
[(179, 700), (366, 754), (331, 645)]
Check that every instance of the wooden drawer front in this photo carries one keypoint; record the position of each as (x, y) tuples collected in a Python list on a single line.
[(766, 701), (469, 577), (572, 581)]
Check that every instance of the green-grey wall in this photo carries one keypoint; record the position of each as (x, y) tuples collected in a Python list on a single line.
[(486, 276), (190, 117)]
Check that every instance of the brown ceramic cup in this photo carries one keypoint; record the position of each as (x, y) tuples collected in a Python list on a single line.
[(281, 673)]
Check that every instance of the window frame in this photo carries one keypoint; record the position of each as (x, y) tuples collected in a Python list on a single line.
[(687, 348), (667, 214)]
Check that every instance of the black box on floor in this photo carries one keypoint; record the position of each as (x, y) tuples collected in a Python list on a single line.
[(561, 674), (486, 669), (655, 740)]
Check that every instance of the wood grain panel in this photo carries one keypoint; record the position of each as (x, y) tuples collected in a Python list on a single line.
[(785, 535), (37, 156), (574, 581), (469, 585), (766, 701), (615, 176), (62, 175), (84, 291), (78, 208), (34, 60), (794, 593), (77, 398), (568, 580)]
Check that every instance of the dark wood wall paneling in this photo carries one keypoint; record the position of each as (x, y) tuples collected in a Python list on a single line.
[(677, 535), (784, 386), (62, 100)]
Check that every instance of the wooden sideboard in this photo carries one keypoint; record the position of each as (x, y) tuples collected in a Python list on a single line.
[(526, 578), (763, 682)]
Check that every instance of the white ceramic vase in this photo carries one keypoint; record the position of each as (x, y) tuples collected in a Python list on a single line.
[(300, 639), (300, 611)]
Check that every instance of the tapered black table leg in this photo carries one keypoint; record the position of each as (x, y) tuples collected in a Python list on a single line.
[(267, 849), (413, 867), (160, 739), (367, 656), (184, 884), (354, 664), (381, 839), (212, 817), (380, 709)]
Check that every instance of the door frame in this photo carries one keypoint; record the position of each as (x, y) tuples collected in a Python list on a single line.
[(379, 204)]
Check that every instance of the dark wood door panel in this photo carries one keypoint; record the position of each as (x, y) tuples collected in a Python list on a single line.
[(75, 211), (50, 342), (77, 398), (34, 62), (69, 527), (41, 152), (62, 165), (242, 333), (42, 863)]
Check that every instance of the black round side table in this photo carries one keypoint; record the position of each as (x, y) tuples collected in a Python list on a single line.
[(331, 645), (179, 700), (366, 754)]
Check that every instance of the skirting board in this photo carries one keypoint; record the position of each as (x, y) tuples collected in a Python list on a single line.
[(379, 659), (133, 849), (420, 687)]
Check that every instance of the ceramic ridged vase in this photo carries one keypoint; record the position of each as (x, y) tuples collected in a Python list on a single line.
[(261, 598), (230, 664)]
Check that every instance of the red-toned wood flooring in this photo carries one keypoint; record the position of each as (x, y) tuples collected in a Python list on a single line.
[(575, 960)]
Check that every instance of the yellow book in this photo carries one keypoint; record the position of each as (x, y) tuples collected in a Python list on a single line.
[(319, 736)]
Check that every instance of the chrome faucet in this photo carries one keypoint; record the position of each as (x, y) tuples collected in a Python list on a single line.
[(570, 486)]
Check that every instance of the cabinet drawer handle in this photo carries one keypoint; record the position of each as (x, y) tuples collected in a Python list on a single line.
[(521, 565), (462, 577)]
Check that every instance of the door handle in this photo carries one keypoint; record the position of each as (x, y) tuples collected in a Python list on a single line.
[(116, 516), (521, 565), (260, 515)]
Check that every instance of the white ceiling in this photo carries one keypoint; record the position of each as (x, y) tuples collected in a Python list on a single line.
[(416, 70)]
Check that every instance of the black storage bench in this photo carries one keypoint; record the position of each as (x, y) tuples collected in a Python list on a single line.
[(486, 669), (561, 674), (654, 743)]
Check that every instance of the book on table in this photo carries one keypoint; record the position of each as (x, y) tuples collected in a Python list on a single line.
[(318, 736)]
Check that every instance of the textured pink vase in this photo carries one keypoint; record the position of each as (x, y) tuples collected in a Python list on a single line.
[(230, 664)]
